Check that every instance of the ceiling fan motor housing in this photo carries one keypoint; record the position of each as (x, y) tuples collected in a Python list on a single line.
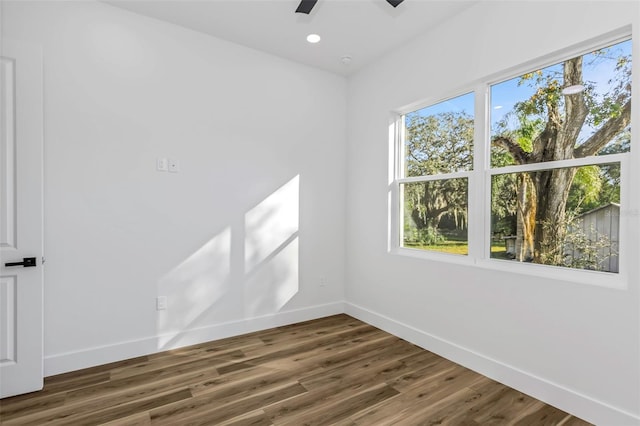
[(306, 6)]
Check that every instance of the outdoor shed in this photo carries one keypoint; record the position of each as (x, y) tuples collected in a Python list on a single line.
[(601, 228)]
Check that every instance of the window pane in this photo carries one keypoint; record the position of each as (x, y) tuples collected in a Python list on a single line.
[(578, 108), (531, 223), (435, 215), (439, 138)]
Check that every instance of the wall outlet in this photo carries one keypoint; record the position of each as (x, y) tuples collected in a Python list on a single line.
[(323, 281), (161, 303), (174, 166)]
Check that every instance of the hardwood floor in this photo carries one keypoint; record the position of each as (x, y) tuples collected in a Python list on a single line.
[(334, 370)]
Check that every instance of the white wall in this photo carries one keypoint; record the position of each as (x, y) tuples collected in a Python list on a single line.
[(574, 345), (238, 240)]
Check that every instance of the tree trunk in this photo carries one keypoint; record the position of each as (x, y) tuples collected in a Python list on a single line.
[(526, 218), (543, 207), (433, 209), (552, 188), (541, 217)]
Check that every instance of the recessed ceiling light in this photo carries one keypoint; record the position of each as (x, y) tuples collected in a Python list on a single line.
[(572, 90), (313, 38)]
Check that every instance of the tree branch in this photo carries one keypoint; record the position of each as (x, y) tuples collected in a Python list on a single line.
[(606, 133), (436, 212), (519, 155)]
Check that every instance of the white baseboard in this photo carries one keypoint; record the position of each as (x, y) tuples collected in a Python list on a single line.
[(581, 406), (72, 361)]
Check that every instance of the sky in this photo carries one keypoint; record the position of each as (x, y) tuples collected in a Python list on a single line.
[(506, 94)]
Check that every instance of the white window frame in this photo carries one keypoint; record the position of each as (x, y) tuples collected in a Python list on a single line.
[(400, 179), (479, 178)]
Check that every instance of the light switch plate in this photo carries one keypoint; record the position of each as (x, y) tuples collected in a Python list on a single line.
[(162, 164), (161, 303)]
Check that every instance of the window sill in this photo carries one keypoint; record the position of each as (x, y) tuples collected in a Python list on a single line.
[(579, 276), (434, 256)]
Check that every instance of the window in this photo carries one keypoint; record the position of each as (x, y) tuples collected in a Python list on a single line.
[(437, 158), (550, 168)]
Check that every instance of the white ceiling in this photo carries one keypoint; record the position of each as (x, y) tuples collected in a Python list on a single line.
[(361, 29)]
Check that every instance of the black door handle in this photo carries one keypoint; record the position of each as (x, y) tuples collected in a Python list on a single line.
[(26, 262)]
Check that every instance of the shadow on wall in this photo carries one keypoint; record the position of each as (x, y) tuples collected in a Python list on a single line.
[(209, 279)]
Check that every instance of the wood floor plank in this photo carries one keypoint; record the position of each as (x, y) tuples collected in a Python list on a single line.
[(417, 400), (67, 377), (121, 391), (206, 410), (545, 415), (321, 396), (364, 371), (497, 404), (380, 349), (445, 410), (307, 343), (252, 418), (150, 381), (332, 354), (196, 354), (293, 332), (405, 378), (340, 381), (572, 421), (257, 381), (99, 414), (331, 371), (338, 409), (139, 419), (52, 394), (60, 384), (131, 408), (23, 406)]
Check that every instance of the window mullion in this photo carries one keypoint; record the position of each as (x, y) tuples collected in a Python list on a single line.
[(477, 210)]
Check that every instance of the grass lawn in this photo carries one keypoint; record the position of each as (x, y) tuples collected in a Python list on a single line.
[(498, 250)]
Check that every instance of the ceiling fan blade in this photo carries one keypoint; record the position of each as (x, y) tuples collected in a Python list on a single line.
[(305, 6), (394, 3)]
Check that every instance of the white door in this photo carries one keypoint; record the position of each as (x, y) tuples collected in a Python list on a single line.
[(21, 218)]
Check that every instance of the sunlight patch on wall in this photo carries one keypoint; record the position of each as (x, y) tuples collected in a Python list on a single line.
[(271, 250), (274, 282), (270, 223), (193, 288)]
